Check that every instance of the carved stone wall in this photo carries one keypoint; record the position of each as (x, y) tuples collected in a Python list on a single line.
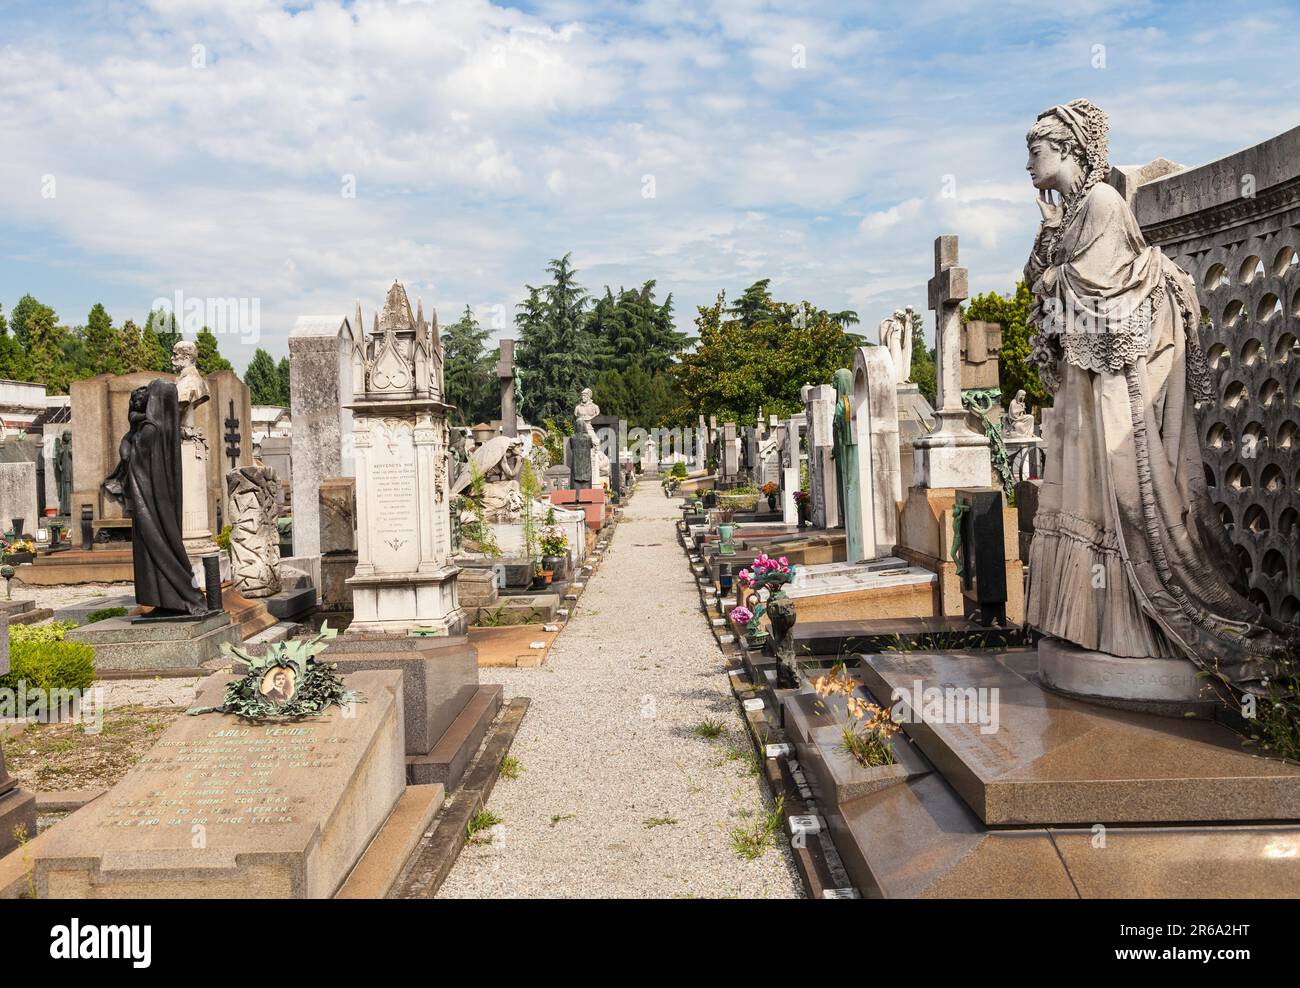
[(1234, 225)]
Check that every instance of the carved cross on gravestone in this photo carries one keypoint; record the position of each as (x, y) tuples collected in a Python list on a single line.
[(506, 375), (948, 288), (233, 437)]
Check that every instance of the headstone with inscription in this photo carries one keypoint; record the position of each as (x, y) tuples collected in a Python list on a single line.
[(226, 808), (405, 578)]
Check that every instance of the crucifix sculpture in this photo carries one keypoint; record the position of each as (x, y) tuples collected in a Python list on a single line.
[(232, 437), (506, 375)]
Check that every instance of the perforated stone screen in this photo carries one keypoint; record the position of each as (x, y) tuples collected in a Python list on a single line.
[(1234, 225)]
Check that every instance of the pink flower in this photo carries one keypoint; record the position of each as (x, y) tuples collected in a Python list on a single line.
[(742, 615), (784, 562)]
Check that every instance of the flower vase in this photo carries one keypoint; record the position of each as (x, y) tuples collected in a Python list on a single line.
[(725, 532)]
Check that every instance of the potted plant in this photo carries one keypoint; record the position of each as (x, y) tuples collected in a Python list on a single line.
[(555, 550), (770, 489)]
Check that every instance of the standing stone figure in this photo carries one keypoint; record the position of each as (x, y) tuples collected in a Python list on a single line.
[(191, 390), (254, 535), (896, 336), (147, 481), (583, 413), (1128, 556), (845, 454), (63, 471)]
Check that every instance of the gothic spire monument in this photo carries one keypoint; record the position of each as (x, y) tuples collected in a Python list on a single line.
[(405, 578)]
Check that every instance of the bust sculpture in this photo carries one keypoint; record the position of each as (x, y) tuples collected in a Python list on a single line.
[(191, 388), (147, 481), (1128, 558)]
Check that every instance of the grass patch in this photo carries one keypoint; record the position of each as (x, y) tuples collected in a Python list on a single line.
[(561, 817), (479, 823), (659, 821), (510, 767), (753, 841), (709, 729), (65, 756)]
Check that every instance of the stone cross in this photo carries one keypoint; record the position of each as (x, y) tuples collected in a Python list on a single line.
[(506, 375), (948, 288), (233, 437)]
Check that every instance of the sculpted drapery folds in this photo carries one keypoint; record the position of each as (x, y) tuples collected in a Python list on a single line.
[(1128, 555), (147, 481)]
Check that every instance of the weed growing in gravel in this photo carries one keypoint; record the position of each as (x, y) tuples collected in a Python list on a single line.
[(479, 822), (752, 841), (510, 767), (709, 729), (659, 821), (561, 817)]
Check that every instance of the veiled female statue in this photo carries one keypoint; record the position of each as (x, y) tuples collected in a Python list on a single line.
[(147, 481), (1128, 556)]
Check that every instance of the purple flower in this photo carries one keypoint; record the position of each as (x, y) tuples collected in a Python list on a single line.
[(742, 615)]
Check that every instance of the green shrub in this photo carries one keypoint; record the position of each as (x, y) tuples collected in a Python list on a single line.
[(52, 632), (49, 665), (679, 470), (104, 613)]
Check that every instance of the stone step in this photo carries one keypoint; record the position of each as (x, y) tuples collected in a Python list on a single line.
[(447, 761), (382, 862)]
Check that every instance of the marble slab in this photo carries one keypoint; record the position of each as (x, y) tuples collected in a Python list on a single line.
[(1054, 760)]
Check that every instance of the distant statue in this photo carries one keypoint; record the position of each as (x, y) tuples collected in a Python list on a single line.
[(1018, 423), (896, 336), (191, 389), (499, 461), (63, 471), (147, 481), (1129, 556), (254, 536), (583, 413)]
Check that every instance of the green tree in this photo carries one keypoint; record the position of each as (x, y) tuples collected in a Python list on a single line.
[(101, 342), (13, 358), (467, 377), (161, 326), (1014, 369), (924, 372), (631, 329), (134, 352), (263, 379), (28, 310), (209, 358), (757, 354), (282, 372), (43, 339), (553, 354)]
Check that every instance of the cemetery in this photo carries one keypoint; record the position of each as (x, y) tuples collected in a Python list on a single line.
[(961, 595)]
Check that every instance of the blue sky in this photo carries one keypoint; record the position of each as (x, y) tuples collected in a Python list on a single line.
[(822, 145)]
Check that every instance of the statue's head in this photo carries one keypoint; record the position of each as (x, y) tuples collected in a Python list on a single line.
[(139, 399), (67, 435), (899, 314), (843, 381), (586, 395), (184, 354), (1020, 395), (1068, 147)]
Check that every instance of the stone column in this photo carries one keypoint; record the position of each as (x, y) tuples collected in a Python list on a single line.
[(819, 407)]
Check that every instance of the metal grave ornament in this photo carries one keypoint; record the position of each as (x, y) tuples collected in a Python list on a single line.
[(284, 683)]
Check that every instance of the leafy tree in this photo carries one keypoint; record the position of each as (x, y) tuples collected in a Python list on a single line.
[(758, 353), (924, 373), (467, 374), (263, 379), (134, 352), (282, 373), (632, 329), (1012, 313), (161, 326), (13, 358), (101, 342), (209, 358), (27, 311), (555, 361)]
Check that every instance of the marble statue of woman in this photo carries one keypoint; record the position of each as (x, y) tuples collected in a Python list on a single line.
[(1019, 421), (1128, 556)]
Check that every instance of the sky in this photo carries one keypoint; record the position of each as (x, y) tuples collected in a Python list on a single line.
[(301, 156)]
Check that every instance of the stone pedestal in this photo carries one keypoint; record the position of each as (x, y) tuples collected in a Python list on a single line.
[(196, 526), (1170, 686), (149, 646), (284, 810)]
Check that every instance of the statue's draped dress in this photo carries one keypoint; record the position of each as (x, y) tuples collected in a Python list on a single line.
[(1128, 555)]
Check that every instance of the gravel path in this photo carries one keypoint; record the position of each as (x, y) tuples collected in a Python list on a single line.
[(618, 796)]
